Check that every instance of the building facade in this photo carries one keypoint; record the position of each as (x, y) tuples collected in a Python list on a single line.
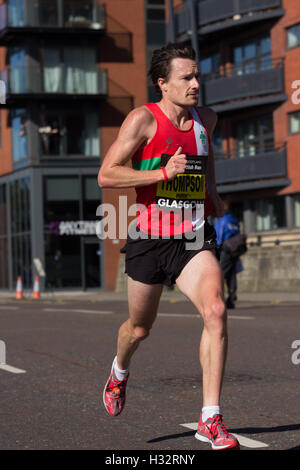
[(72, 70), (248, 54), (249, 59)]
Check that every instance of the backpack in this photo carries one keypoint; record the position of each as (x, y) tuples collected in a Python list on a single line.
[(236, 245)]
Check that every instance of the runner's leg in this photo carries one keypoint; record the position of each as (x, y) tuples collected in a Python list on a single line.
[(143, 301), (201, 281)]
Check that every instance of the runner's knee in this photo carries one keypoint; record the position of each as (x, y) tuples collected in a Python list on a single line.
[(140, 333), (214, 314)]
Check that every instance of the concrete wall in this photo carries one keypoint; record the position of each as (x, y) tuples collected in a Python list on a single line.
[(268, 267), (273, 269)]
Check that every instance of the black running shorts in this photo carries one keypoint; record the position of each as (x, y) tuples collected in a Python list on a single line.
[(160, 261)]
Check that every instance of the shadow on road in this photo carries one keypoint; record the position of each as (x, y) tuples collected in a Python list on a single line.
[(253, 430)]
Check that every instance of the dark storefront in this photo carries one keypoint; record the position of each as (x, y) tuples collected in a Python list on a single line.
[(48, 227)]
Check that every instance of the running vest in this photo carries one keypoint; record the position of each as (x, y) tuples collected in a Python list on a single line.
[(181, 205)]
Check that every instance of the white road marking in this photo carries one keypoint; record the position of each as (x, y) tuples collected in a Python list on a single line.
[(102, 312), (190, 315), (8, 307), (244, 441), (3, 364), (12, 369)]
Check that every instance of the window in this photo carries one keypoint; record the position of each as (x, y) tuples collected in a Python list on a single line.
[(79, 13), (92, 197), (254, 136), (69, 132), (19, 134), (270, 213), (293, 36), (19, 193), (78, 74), (210, 64), (3, 239), (216, 141), (16, 12), (62, 252), (294, 123), (252, 55), (17, 71)]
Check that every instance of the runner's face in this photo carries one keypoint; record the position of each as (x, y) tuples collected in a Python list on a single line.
[(183, 86)]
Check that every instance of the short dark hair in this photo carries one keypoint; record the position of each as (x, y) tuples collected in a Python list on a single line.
[(161, 61)]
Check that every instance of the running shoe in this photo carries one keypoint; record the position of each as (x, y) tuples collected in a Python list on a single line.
[(114, 394), (215, 432)]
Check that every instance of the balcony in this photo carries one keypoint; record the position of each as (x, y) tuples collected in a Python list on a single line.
[(215, 15), (36, 82), (50, 17), (267, 168), (249, 84)]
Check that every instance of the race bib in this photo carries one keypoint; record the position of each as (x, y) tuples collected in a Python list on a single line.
[(187, 190)]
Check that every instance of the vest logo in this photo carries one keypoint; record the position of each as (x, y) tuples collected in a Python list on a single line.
[(170, 144), (202, 138)]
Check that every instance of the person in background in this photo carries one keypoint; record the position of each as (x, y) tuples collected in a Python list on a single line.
[(226, 227)]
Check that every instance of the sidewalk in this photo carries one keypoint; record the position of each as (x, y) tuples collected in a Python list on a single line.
[(244, 298)]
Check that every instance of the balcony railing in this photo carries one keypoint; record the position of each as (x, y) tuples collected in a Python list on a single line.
[(269, 163), (246, 80), (59, 80), (49, 14), (215, 11)]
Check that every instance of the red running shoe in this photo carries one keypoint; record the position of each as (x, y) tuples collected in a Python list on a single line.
[(114, 394), (215, 432)]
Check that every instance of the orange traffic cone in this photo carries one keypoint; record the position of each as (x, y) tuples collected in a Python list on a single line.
[(36, 288), (19, 289)]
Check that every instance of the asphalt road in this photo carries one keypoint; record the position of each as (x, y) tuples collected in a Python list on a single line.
[(63, 353)]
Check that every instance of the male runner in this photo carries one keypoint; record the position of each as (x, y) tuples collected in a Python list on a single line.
[(176, 127)]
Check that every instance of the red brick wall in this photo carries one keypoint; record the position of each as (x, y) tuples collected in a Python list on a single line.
[(123, 16), (292, 73)]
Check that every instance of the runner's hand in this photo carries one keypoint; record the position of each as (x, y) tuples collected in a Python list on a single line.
[(176, 164)]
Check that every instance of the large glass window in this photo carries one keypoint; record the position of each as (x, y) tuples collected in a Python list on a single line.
[(92, 197), (70, 70), (16, 12), (293, 36), (17, 77), (3, 239), (79, 13), (253, 55), (216, 141), (19, 134), (69, 132), (62, 252), (210, 64), (72, 250), (270, 213), (19, 193), (254, 136), (48, 13)]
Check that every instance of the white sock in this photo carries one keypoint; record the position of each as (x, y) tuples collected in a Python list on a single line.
[(119, 373), (209, 412)]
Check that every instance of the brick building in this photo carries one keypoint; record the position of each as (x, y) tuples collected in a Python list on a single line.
[(73, 69), (250, 68)]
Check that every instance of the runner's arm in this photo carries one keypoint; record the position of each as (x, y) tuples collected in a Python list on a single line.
[(116, 171)]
